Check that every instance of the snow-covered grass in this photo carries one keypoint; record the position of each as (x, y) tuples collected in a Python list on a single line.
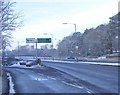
[(11, 84), (100, 63), (0, 85), (24, 66), (103, 57), (61, 61)]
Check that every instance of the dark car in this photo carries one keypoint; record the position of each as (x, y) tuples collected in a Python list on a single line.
[(71, 58)]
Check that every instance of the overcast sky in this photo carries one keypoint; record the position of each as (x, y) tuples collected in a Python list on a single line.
[(47, 16)]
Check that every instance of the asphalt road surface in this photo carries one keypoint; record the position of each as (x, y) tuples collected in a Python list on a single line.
[(97, 78), (65, 78)]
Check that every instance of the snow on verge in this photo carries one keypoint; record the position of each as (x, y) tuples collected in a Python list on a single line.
[(99, 63), (24, 66), (11, 85)]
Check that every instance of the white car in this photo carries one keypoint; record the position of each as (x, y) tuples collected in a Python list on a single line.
[(29, 64)]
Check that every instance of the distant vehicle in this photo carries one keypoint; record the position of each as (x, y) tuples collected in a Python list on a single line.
[(33, 62), (29, 64), (22, 62), (38, 61), (71, 58)]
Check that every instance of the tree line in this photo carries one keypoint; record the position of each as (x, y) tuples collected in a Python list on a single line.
[(9, 22), (94, 42)]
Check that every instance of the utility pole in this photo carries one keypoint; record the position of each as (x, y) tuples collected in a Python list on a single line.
[(75, 32), (36, 49), (18, 49), (75, 27), (76, 53)]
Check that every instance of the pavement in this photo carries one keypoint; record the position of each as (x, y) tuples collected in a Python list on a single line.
[(44, 80), (5, 83), (65, 77), (0, 84), (98, 78)]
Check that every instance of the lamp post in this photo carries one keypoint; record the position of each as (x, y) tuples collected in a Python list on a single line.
[(117, 45), (73, 24), (75, 29), (18, 48), (52, 38), (76, 53)]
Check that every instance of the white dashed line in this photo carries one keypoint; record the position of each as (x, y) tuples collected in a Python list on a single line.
[(72, 85), (51, 78), (40, 79), (88, 92), (40, 74)]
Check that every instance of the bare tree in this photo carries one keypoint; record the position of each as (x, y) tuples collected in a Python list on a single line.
[(9, 21)]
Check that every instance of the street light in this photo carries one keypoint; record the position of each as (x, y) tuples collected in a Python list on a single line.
[(73, 24), (18, 47), (76, 53), (52, 38), (75, 31)]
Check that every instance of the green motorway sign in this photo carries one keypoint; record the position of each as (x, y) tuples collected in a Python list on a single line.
[(43, 40)]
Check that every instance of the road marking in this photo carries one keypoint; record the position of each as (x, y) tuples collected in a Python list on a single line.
[(88, 91), (47, 76), (51, 78), (77, 86), (72, 85), (40, 79), (40, 74)]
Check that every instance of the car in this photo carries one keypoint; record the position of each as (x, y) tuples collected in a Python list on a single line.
[(71, 58), (22, 62), (33, 62), (29, 64)]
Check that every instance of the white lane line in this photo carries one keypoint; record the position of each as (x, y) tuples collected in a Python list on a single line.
[(11, 88), (40, 74), (40, 79), (47, 76), (88, 92), (72, 85), (51, 78)]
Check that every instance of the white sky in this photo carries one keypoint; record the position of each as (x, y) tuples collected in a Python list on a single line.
[(47, 16)]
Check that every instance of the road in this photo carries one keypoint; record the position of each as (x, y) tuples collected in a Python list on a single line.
[(65, 78), (97, 78)]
